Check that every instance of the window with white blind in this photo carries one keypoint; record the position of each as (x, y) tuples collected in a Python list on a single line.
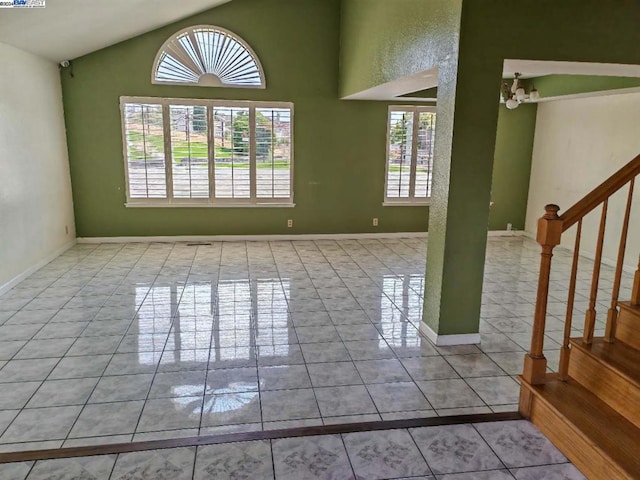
[(144, 144), (410, 147), (207, 152)]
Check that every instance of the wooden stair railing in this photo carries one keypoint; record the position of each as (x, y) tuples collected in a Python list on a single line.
[(635, 291), (550, 230)]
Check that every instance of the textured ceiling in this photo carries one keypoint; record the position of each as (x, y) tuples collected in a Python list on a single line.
[(67, 29)]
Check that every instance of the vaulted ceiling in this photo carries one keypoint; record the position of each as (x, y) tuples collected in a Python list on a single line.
[(67, 29)]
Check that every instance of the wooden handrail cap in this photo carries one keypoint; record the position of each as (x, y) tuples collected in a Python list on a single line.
[(551, 211)]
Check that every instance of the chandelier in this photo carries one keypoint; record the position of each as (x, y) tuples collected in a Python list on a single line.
[(516, 94)]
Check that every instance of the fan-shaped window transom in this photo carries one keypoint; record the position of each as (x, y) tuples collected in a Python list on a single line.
[(207, 56)]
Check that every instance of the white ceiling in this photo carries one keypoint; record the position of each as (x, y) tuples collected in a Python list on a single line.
[(67, 29), (402, 86), (528, 68), (536, 68)]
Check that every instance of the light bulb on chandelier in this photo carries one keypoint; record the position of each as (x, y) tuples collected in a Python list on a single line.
[(515, 94)]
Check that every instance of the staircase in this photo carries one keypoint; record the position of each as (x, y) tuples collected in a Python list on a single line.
[(590, 409)]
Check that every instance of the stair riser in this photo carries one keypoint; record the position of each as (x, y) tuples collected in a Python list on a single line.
[(613, 389), (576, 447), (628, 327)]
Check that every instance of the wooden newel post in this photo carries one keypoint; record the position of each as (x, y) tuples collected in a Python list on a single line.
[(549, 233), (635, 291)]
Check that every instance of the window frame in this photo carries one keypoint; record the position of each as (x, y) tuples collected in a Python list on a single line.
[(411, 200), (190, 31), (212, 202)]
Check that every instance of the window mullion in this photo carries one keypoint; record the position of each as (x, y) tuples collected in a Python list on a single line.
[(388, 161), (414, 154), (252, 153), (163, 122), (211, 153), (166, 123)]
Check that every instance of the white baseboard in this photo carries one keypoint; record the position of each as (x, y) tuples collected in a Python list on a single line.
[(273, 238), (49, 258), (505, 233), (449, 340), (252, 238)]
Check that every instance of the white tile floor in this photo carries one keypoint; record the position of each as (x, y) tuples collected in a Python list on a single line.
[(485, 451), (117, 343)]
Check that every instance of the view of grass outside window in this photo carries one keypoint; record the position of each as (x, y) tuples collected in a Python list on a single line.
[(189, 152), (220, 152), (145, 151), (411, 133)]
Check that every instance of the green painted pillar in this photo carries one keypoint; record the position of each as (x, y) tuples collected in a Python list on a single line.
[(468, 104)]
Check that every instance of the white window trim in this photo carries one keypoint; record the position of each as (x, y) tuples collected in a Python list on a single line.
[(407, 202), (210, 202), (411, 201), (189, 31)]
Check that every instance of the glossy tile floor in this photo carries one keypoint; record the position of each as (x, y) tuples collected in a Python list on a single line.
[(118, 343), (485, 451)]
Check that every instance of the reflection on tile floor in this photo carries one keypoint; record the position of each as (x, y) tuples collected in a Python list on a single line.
[(489, 451), (119, 342)]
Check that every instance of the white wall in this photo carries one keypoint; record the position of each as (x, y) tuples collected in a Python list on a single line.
[(35, 186), (578, 144)]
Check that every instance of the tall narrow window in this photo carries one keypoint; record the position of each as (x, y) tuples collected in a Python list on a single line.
[(144, 137), (218, 152), (232, 149), (273, 152), (189, 151), (411, 141), (424, 154)]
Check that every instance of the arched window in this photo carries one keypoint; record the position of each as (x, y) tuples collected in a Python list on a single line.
[(207, 56)]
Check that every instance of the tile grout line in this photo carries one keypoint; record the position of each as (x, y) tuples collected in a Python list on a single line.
[(217, 310), (301, 353), (115, 352), (346, 452), (313, 390), (490, 447), (415, 442), (396, 357), (273, 458), (161, 353), (342, 341), (57, 363), (38, 331), (105, 266)]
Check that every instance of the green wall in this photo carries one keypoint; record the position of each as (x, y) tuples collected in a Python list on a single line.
[(512, 166), (490, 32), (384, 40), (469, 76), (339, 145), (558, 85)]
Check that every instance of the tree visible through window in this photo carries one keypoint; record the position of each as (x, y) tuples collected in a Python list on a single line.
[(217, 151), (411, 142)]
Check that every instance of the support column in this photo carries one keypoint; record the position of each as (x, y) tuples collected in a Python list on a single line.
[(468, 107)]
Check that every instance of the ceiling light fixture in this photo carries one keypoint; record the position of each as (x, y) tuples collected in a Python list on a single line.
[(516, 94)]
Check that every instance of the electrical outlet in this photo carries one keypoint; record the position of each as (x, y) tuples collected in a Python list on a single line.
[(289, 223), (375, 222), (66, 229), (509, 227)]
